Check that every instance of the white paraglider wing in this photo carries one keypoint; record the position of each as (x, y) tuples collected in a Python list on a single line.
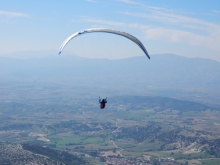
[(132, 38)]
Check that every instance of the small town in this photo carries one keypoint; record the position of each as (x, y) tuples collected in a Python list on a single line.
[(123, 161)]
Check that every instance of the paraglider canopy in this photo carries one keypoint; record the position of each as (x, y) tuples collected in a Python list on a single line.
[(124, 34)]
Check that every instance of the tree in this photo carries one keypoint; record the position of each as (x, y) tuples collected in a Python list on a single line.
[(155, 162)]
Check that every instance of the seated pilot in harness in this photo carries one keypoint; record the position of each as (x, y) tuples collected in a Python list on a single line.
[(102, 103)]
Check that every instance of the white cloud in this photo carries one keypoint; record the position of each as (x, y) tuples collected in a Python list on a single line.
[(12, 14)]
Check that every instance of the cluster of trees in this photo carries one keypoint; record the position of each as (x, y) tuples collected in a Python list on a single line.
[(213, 147), (139, 133), (71, 126), (173, 136), (75, 126), (16, 126), (154, 132), (14, 154), (60, 156), (105, 125)]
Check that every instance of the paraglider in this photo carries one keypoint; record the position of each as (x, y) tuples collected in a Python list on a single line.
[(129, 36), (104, 30)]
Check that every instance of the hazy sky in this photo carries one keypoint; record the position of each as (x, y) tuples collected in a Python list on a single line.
[(188, 28)]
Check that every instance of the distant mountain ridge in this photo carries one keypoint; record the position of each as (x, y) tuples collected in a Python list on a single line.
[(160, 103), (161, 70), (68, 75)]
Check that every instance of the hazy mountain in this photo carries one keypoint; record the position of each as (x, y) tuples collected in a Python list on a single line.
[(161, 70), (158, 103), (164, 74)]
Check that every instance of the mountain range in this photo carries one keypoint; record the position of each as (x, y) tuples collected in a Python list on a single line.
[(162, 73)]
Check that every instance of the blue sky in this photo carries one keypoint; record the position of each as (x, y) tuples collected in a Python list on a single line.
[(184, 27)]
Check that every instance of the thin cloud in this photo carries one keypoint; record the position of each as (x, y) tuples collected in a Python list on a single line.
[(180, 20), (129, 2), (12, 14), (168, 16), (172, 26), (103, 22), (90, 0), (210, 40), (173, 35), (142, 5), (182, 28), (216, 11)]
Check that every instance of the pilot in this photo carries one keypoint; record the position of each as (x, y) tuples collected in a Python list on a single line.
[(102, 103)]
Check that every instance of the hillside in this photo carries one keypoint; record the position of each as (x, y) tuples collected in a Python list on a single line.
[(140, 129), (159, 103)]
